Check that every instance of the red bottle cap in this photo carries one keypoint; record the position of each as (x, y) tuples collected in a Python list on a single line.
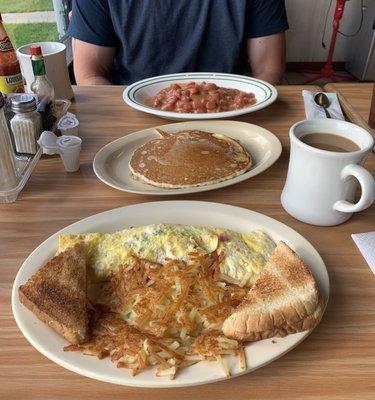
[(35, 50)]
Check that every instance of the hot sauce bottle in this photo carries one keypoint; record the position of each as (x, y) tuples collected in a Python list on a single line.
[(41, 86), (10, 73)]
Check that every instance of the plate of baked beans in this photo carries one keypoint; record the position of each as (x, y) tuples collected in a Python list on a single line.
[(199, 95)]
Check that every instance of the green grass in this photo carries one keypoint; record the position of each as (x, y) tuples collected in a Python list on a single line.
[(21, 34), (12, 6)]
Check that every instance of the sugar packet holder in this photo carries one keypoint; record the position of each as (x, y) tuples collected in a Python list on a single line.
[(68, 146)]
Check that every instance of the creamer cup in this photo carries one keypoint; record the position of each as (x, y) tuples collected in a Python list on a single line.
[(69, 149), (68, 125)]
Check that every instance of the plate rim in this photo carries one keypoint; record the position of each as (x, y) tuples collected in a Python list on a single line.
[(129, 99), (128, 209), (273, 140)]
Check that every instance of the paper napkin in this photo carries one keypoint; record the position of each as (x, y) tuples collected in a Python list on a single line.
[(366, 244), (313, 111)]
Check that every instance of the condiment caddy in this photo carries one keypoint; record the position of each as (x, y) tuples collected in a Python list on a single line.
[(24, 116), (15, 169)]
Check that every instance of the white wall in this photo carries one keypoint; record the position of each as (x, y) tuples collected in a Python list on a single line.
[(306, 24)]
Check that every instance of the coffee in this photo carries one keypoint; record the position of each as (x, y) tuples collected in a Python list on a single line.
[(329, 142), (320, 187)]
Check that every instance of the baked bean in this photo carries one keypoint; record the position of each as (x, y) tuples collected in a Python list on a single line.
[(215, 96), (210, 86), (167, 107), (187, 107), (210, 105), (201, 97), (200, 110)]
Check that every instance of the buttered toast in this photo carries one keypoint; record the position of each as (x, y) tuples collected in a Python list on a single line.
[(284, 299), (56, 294)]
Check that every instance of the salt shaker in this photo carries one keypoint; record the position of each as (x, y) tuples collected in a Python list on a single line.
[(26, 124), (8, 176)]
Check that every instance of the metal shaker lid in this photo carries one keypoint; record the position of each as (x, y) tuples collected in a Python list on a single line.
[(23, 103)]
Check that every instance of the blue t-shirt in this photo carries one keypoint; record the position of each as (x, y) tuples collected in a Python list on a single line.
[(156, 37)]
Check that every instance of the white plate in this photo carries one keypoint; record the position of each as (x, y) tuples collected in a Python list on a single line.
[(258, 354), (111, 162), (135, 94)]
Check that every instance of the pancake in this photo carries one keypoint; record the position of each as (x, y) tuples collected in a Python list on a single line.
[(189, 158)]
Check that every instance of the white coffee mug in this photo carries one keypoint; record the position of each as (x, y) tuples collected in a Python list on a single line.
[(320, 186), (56, 67)]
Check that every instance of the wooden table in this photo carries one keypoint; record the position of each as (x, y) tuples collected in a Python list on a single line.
[(336, 362), (357, 94)]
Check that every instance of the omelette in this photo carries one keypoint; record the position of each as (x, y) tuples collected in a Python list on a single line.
[(245, 254)]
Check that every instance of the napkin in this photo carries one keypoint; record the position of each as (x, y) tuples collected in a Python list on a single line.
[(313, 111), (366, 244)]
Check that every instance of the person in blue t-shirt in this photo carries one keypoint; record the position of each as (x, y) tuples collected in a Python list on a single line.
[(123, 41)]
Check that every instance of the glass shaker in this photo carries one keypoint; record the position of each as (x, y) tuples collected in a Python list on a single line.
[(8, 175), (26, 124)]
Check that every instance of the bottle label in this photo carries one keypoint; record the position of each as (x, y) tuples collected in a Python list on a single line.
[(5, 44), (11, 84), (38, 67)]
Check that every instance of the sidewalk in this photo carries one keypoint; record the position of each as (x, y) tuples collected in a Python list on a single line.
[(29, 17)]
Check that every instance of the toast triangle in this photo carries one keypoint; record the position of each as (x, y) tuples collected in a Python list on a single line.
[(284, 299), (56, 294)]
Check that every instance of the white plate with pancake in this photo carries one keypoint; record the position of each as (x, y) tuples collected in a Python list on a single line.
[(241, 220), (111, 163), (135, 94)]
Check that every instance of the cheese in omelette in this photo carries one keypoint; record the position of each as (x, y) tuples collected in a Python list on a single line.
[(245, 254)]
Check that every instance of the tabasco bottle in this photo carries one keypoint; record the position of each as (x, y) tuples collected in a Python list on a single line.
[(41, 86), (10, 73)]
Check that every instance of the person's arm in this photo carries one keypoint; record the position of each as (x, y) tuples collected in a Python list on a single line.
[(266, 23), (267, 57), (92, 63), (94, 41)]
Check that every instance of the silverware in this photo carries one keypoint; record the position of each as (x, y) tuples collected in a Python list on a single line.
[(322, 100)]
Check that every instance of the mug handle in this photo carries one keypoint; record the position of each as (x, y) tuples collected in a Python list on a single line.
[(367, 183)]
